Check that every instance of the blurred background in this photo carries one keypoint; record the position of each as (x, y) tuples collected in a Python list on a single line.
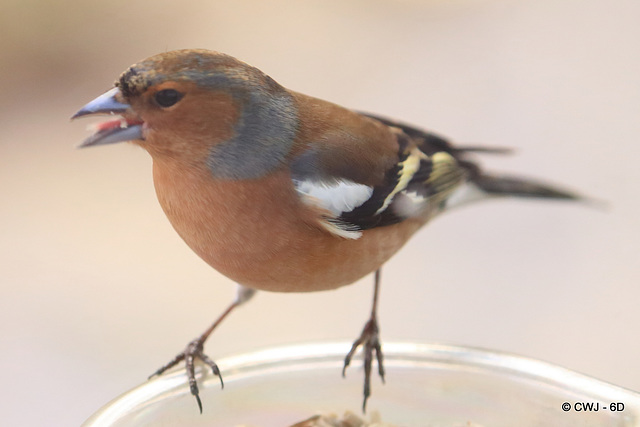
[(97, 290)]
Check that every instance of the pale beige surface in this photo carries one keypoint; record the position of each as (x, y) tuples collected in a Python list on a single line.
[(97, 289)]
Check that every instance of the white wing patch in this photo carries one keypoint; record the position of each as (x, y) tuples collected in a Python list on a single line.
[(336, 198), (341, 196), (341, 229)]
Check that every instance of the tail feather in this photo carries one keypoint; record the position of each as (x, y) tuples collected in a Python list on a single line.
[(483, 150), (519, 187)]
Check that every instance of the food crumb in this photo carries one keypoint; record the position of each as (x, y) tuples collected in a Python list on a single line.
[(349, 419)]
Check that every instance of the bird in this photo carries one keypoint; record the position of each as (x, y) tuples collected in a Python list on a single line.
[(284, 192)]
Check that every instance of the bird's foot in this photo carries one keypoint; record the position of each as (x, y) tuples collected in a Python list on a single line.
[(370, 342), (193, 351)]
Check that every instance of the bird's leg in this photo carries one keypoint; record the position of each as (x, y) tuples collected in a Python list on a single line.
[(195, 350), (370, 342)]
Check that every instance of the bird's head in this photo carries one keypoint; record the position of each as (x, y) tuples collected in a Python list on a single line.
[(201, 107)]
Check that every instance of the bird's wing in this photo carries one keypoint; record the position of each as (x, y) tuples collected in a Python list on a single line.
[(430, 142), (423, 174), (479, 184)]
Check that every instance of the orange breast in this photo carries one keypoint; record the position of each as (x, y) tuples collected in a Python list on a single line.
[(258, 233)]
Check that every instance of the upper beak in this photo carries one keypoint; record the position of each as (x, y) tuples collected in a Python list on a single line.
[(125, 128)]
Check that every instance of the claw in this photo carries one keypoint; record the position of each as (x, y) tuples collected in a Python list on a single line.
[(370, 342), (198, 400), (379, 358), (213, 366), (193, 351), (349, 356)]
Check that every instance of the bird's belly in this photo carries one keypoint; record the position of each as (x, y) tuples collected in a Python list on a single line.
[(269, 246), (316, 262)]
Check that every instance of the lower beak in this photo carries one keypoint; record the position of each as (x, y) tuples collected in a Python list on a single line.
[(127, 127)]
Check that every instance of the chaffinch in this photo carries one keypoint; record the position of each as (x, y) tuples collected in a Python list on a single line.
[(280, 191)]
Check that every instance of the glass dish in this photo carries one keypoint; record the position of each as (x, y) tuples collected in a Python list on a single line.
[(427, 385)]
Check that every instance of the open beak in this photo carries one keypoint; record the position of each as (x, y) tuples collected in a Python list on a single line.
[(125, 127)]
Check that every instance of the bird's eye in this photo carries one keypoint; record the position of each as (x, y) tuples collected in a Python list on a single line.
[(167, 97)]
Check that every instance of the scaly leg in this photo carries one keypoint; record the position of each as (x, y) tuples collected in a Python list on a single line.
[(195, 350), (369, 339)]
